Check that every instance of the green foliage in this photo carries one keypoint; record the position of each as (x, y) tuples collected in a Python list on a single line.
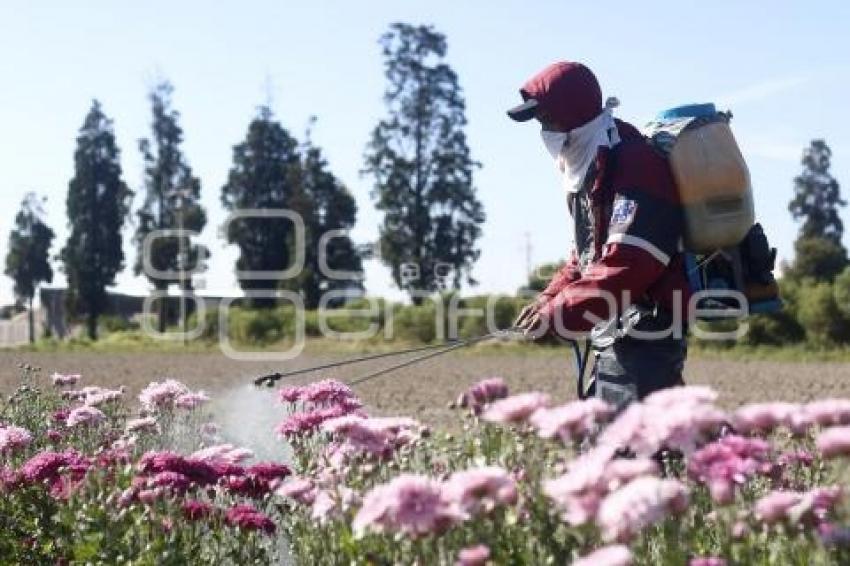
[(818, 258), (265, 175), (817, 197), (326, 206), (27, 261), (171, 199), (841, 290), (97, 204), (819, 314), (421, 165)]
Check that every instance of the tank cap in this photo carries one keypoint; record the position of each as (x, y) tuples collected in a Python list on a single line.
[(688, 111)]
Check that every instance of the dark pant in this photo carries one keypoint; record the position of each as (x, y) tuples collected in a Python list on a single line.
[(630, 369)]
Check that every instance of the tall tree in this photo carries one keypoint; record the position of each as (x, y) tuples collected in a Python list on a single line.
[(172, 200), (97, 204), (422, 166), (817, 198), (265, 175), (326, 205), (27, 261)]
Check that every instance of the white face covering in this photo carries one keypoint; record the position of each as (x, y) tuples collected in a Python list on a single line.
[(575, 151)]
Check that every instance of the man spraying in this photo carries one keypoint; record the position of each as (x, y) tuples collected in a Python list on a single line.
[(624, 280)]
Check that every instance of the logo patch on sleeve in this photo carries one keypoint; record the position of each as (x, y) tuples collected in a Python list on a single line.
[(623, 212)]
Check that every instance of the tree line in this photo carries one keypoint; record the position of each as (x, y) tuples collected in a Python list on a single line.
[(417, 157)]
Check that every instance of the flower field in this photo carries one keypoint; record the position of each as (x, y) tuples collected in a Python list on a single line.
[(90, 474)]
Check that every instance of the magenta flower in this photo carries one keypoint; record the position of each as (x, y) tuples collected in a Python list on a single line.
[(613, 555), (47, 466), (834, 442), (300, 424), (195, 510), (269, 471), (248, 518), (62, 380), (515, 409), (482, 393), (728, 462), (572, 421), (473, 555), (290, 394), (480, 489), (327, 392), (198, 471), (84, 416), (13, 439), (639, 504), (410, 504)]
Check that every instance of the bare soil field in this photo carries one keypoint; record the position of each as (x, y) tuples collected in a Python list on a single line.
[(423, 391)]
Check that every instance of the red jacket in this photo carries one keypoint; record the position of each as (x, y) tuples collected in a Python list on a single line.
[(637, 226)]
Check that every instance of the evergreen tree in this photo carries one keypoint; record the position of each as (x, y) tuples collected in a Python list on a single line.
[(172, 199), (27, 261), (421, 164), (97, 204), (265, 175), (326, 205), (817, 198)]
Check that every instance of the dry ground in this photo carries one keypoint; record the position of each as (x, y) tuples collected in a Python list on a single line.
[(423, 391)]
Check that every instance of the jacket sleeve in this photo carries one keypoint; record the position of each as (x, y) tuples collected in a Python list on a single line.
[(643, 236), (567, 274)]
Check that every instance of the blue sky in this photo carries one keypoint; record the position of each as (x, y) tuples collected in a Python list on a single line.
[(781, 67)]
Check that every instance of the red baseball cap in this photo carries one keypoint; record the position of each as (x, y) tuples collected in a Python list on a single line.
[(566, 93)]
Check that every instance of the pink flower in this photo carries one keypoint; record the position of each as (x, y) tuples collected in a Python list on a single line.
[(328, 392), (834, 442), (774, 507), (410, 504), (678, 418), (483, 393), (473, 555), (195, 510), (579, 492), (198, 471), (639, 504), (728, 462), (191, 400), (158, 395), (290, 394), (96, 396), (300, 424), (61, 380), (226, 453), (613, 555), (300, 489), (85, 416), (481, 489), (13, 438), (173, 481), (765, 417), (572, 421), (141, 424), (248, 518), (811, 506), (515, 409), (828, 412)]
